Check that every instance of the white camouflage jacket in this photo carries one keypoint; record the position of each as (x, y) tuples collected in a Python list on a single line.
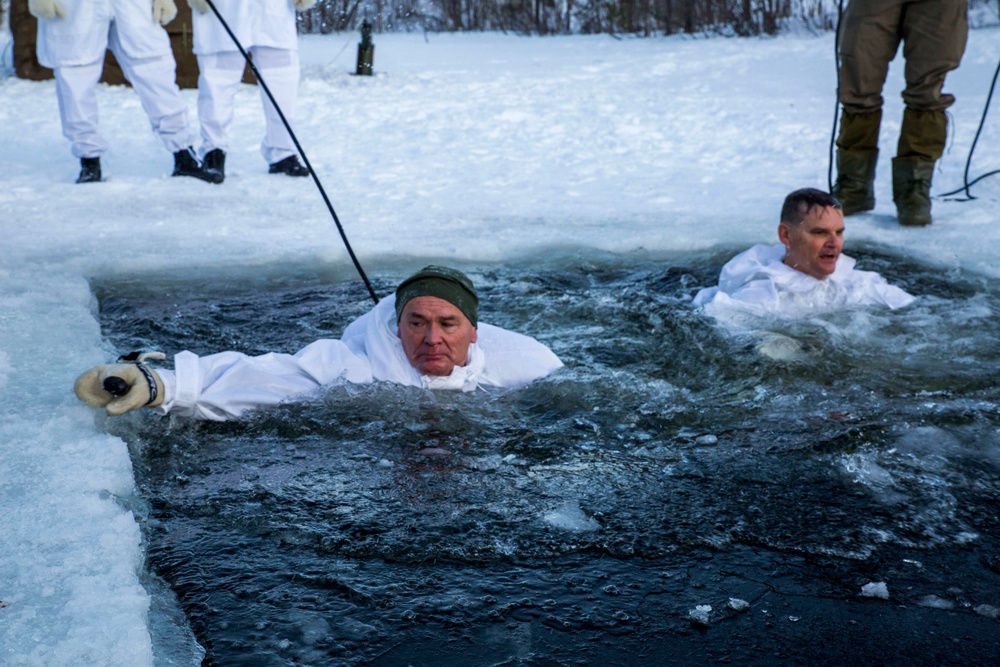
[(757, 282), (225, 385)]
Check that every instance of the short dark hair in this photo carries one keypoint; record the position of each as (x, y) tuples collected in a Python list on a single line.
[(798, 204)]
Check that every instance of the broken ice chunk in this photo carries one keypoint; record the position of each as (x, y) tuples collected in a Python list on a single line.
[(987, 610), (935, 602), (875, 590), (700, 614), (737, 604)]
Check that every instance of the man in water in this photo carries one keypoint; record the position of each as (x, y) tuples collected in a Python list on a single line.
[(426, 335), (804, 272)]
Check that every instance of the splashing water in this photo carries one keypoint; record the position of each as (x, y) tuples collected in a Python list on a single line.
[(669, 467)]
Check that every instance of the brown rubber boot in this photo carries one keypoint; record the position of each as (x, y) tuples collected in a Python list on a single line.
[(857, 155), (921, 142), (911, 190)]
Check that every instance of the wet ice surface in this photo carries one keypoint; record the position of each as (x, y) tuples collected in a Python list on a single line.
[(608, 513)]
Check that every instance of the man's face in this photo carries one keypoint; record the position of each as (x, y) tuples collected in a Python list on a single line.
[(435, 335), (814, 245)]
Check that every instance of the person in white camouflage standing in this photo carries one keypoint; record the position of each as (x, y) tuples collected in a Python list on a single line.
[(73, 36), (266, 29)]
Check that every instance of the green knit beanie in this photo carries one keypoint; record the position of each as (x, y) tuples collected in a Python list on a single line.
[(449, 284)]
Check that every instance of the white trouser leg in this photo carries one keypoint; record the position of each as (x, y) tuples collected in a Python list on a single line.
[(75, 90), (280, 70), (218, 80), (154, 80)]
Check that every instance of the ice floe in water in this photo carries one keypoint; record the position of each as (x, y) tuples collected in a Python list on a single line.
[(569, 516), (875, 589), (782, 348), (935, 602), (700, 614), (987, 610), (736, 604)]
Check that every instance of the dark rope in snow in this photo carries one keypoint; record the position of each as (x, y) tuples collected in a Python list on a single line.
[(968, 162), (298, 147), (836, 104)]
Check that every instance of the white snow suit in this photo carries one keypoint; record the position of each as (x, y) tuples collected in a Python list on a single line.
[(757, 282), (266, 30), (74, 48), (225, 385)]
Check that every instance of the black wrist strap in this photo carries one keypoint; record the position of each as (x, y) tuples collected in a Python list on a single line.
[(151, 380)]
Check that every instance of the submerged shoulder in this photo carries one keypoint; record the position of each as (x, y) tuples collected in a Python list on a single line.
[(758, 261), (512, 358)]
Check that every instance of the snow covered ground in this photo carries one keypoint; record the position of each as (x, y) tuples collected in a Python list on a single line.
[(473, 149)]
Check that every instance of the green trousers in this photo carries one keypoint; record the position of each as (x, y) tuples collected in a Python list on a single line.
[(933, 34)]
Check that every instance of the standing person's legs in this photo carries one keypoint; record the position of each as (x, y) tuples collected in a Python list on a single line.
[(280, 70), (154, 81), (869, 40), (935, 33), (76, 93), (218, 80), (934, 37), (77, 96)]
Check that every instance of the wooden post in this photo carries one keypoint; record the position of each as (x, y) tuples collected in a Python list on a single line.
[(366, 50)]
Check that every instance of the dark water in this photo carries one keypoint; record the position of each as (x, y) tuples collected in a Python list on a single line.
[(581, 520)]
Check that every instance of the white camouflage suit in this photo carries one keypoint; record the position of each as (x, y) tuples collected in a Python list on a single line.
[(758, 282), (226, 385), (266, 30), (74, 46)]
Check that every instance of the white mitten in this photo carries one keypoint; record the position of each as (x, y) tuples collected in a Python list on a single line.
[(200, 6), (164, 11), (120, 388), (303, 5), (46, 9)]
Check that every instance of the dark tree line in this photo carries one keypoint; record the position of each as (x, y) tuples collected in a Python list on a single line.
[(547, 17)]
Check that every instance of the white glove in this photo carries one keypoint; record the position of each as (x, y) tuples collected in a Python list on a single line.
[(200, 6), (303, 5), (139, 389), (164, 11), (46, 9)]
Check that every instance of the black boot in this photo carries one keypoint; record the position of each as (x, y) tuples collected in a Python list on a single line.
[(214, 165), (185, 164), (290, 166), (90, 170), (855, 186), (857, 154)]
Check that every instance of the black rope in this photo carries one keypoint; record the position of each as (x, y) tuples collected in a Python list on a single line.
[(968, 162), (298, 147), (836, 104)]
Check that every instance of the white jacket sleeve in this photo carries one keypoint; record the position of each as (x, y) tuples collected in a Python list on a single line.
[(228, 384)]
